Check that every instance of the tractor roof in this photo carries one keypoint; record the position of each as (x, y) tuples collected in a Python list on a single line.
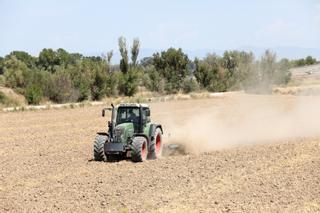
[(133, 105)]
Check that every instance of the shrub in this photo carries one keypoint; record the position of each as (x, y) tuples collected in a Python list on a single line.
[(7, 101), (2, 80), (153, 80), (33, 94), (16, 73), (190, 85), (62, 89), (128, 82), (112, 82), (2, 97), (98, 89), (172, 66)]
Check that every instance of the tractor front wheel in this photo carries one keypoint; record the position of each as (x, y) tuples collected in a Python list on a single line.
[(139, 149), (98, 147)]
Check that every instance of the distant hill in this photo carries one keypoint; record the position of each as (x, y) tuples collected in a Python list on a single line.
[(287, 52), (312, 71), (10, 97)]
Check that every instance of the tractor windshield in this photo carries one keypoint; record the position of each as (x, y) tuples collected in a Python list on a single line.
[(128, 115)]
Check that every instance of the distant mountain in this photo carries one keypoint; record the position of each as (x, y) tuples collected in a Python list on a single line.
[(282, 52), (287, 52)]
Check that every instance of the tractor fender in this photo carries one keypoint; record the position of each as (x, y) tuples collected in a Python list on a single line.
[(152, 130)]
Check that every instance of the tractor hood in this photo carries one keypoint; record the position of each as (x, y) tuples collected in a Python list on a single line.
[(122, 132)]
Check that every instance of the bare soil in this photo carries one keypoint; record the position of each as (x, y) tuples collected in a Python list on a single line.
[(46, 163)]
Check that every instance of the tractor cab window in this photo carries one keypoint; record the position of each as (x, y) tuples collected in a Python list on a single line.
[(127, 115)]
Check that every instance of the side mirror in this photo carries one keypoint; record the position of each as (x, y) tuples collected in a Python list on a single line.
[(147, 112), (103, 113), (146, 120)]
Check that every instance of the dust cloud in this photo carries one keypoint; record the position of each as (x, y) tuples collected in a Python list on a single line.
[(245, 119)]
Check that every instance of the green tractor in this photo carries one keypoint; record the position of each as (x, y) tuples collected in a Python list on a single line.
[(130, 135)]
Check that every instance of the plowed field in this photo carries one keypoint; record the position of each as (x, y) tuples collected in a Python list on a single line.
[(245, 153)]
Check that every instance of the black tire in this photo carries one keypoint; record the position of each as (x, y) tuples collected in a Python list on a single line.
[(98, 147), (156, 145), (139, 151)]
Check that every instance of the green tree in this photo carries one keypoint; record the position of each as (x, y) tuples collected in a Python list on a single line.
[(124, 62), (247, 74), (282, 74), (48, 60), (153, 80), (24, 57), (210, 73), (74, 58), (81, 75), (300, 62), (112, 83), (172, 66), (146, 62), (63, 89), (41, 79), (112, 78), (190, 85), (99, 86), (34, 94), (128, 80), (135, 51), (206, 70), (267, 70), (16, 72), (309, 60), (1, 65), (63, 58), (230, 62), (108, 56)]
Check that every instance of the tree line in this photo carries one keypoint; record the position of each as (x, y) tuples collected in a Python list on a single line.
[(60, 76)]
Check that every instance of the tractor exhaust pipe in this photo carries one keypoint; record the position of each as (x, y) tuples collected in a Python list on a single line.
[(111, 124), (141, 119), (113, 118)]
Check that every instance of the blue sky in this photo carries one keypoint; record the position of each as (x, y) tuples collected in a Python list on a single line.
[(94, 26)]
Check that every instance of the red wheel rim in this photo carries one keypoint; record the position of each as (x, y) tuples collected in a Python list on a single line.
[(143, 150), (158, 144)]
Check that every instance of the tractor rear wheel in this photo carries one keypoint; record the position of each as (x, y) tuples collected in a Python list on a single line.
[(155, 149), (98, 147), (139, 149)]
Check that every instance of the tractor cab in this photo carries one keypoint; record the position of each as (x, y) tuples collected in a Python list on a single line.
[(139, 116), (126, 115)]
